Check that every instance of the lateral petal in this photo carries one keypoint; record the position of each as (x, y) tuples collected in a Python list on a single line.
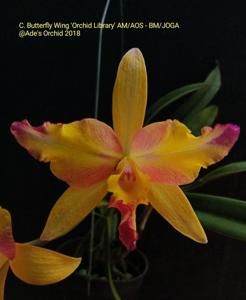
[(170, 154), (7, 243), (4, 267), (129, 96), (40, 266), (172, 204), (81, 153), (71, 208)]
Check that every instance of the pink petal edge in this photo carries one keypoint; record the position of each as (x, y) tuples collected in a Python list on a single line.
[(229, 135), (127, 227), (7, 244)]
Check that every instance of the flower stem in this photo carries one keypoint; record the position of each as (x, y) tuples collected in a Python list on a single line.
[(97, 93), (91, 252), (37, 242), (99, 59), (109, 266), (122, 30), (144, 219)]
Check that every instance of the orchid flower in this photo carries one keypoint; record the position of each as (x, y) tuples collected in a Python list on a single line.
[(32, 264), (137, 165)]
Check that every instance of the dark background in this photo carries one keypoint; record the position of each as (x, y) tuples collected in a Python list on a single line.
[(54, 79)]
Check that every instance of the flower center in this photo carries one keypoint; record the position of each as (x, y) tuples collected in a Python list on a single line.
[(129, 184), (129, 187)]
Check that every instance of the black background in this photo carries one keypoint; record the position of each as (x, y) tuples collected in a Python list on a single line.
[(54, 79)]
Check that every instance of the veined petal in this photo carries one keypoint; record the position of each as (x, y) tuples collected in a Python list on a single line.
[(129, 96), (170, 154), (71, 208), (3, 274), (40, 266), (127, 227), (172, 204), (81, 153), (7, 244)]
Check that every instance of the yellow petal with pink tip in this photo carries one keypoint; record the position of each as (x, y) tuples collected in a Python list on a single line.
[(81, 153), (168, 153)]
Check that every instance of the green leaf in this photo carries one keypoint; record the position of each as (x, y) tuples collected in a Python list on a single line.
[(170, 98), (223, 215), (230, 207), (205, 117), (202, 97), (229, 169), (221, 225)]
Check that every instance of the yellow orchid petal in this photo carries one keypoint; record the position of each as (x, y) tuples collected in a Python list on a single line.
[(7, 244), (129, 187), (172, 204), (4, 267), (40, 266), (71, 208), (170, 154), (81, 153), (129, 96)]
